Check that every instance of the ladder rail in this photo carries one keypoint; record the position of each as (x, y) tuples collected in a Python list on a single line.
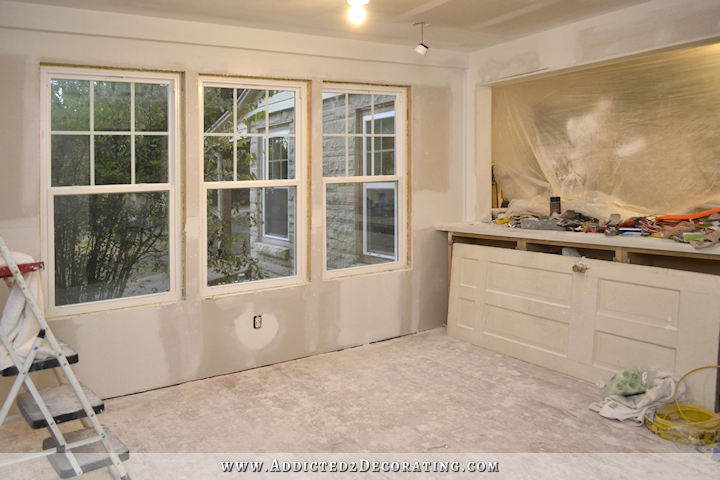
[(64, 365), (24, 378), (22, 368), (52, 426), (49, 451), (73, 381), (63, 381)]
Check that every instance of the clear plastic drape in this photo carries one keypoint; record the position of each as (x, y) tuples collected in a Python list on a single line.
[(640, 136)]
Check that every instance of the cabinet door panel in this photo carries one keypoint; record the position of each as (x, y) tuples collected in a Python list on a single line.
[(465, 274), (532, 306), (656, 317), (523, 304)]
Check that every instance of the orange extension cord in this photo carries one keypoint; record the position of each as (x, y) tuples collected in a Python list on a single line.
[(689, 216)]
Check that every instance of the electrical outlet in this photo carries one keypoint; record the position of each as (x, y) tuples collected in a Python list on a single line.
[(257, 321)]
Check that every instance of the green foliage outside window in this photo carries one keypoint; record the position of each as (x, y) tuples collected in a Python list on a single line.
[(109, 245), (229, 253)]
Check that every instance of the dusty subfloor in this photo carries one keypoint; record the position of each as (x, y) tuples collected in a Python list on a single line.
[(423, 396)]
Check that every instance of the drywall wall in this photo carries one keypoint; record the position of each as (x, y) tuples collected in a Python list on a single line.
[(650, 27), (135, 349)]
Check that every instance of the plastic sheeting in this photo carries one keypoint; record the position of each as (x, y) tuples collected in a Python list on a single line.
[(639, 137)]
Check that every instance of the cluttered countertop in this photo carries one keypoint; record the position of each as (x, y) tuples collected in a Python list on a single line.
[(636, 237)]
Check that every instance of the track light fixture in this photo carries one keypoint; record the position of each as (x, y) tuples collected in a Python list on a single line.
[(422, 49), (357, 12)]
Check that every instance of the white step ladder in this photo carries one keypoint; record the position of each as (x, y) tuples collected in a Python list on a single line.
[(74, 453)]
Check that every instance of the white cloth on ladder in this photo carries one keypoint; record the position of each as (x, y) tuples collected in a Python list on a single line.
[(18, 322)]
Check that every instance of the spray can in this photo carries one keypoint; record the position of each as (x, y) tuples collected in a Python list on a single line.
[(555, 206)]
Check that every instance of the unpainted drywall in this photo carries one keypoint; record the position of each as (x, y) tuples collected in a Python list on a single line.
[(136, 349), (673, 25), (650, 27), (99, 24), (434, 155)]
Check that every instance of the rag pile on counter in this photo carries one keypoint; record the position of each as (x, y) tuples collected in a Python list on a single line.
[(701, 229)]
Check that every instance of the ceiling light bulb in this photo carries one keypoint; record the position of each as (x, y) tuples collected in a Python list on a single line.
[(422, 49), (358, 3), (356, 14)]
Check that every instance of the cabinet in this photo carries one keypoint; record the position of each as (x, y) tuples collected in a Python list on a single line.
[(584, 317)]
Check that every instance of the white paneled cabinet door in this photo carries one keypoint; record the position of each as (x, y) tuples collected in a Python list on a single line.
[(535, 307)]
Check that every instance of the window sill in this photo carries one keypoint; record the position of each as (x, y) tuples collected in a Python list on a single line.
[(343, 273), (252, 287), (274, 251)]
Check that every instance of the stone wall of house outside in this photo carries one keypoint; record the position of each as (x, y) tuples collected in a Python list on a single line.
[(344, 202)]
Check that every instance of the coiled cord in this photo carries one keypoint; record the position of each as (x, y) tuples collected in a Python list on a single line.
[(700, 426)]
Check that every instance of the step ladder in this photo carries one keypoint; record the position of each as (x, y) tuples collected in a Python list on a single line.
[(73, 453)]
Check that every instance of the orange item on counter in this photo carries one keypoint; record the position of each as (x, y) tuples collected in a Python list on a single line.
[(688, 216)]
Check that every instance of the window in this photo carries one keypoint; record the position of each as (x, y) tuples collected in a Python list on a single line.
[(379, 212), (253, 184), (364, 182), (110, 189), (275, 209), (275, 213)]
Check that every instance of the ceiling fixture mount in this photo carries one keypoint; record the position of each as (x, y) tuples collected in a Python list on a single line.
[(357, 12), (422, 49)]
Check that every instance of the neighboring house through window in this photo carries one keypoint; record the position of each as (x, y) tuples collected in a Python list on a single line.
[(275, 208), (379, 212), (253, 184), (364, 165), (111, 176)]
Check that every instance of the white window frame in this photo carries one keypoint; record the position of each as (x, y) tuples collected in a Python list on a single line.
[(277, 133), (299, 182), (365, 119), (270, 235), (48, 192), (376, 186), (401, 177)]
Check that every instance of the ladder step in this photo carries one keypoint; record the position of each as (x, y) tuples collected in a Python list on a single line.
[(45, 363), (90, 457), (62, 403)]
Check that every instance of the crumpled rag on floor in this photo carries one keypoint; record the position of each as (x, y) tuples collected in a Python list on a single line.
[(634, 407)]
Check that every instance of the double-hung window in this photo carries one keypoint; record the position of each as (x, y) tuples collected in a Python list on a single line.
[(364, 178), (253, 184), (110, 176)]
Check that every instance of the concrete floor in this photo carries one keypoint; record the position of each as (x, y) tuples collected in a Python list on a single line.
[(423, 397)]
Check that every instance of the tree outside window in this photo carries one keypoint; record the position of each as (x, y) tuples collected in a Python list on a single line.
[(251, 184), (111, 195)]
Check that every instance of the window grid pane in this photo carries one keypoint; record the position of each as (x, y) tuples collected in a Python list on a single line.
[(107, 113), (361, 221), (236, 220), (243, 117), (365, 146), (251, 231), (362, 218), (70, 105), (109, 246)]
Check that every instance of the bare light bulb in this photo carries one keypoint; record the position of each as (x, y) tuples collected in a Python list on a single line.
[(356, 15)]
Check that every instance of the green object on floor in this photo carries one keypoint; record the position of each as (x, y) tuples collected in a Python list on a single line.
[(625, 383)]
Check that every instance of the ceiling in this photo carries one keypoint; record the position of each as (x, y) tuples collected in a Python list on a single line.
[(461, 25)]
